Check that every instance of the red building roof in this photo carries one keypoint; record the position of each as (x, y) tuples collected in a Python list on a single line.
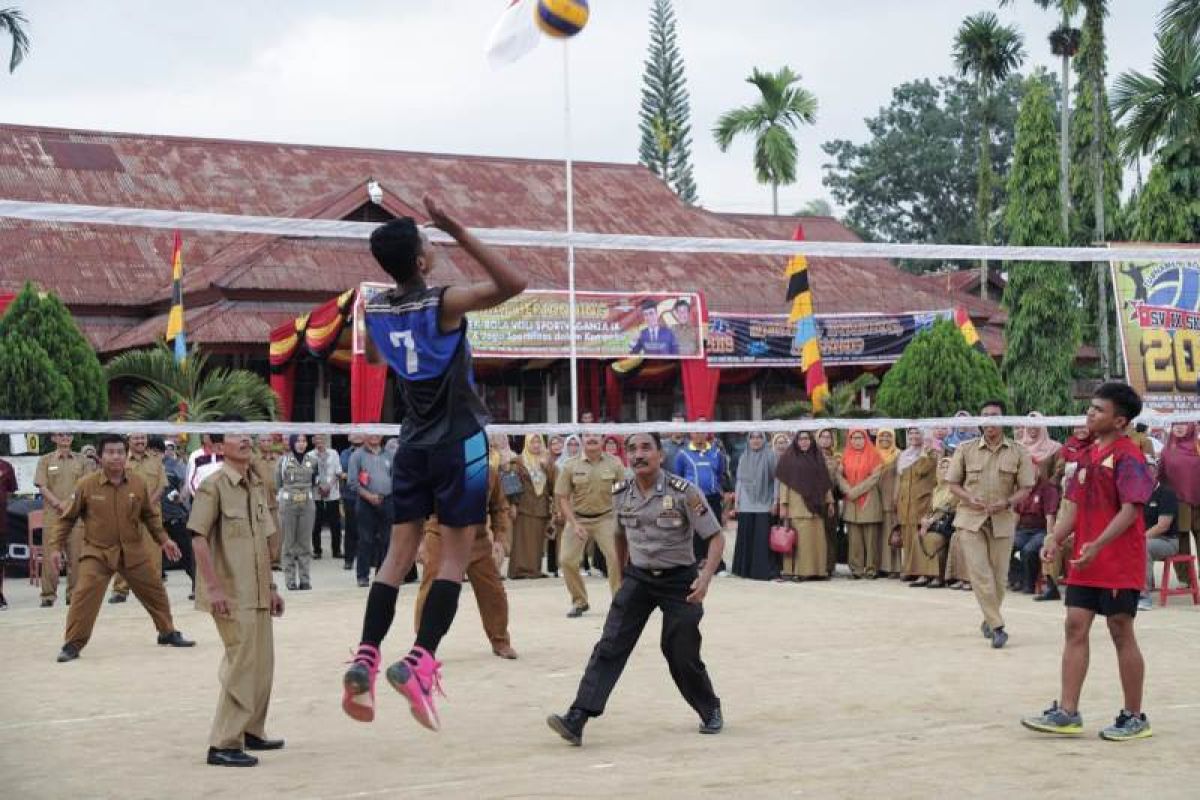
[(117, 280)]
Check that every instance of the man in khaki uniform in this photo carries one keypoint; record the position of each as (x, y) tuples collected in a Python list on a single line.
[(491, 541), (149, 467), (55, 477), (584, 493), (234, 535), (111, 504), (989, 475)]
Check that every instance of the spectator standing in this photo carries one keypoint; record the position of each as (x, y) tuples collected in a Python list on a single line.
[(55, 477), (174, 510), (148, 466), (350, 502), (754, 500), (534, 525), (805, 503), (916, 479), (703, 463), (672, 444), (827, 443), (858, 478), (328, 497), (297, 477), (891, 555), (371, 473)]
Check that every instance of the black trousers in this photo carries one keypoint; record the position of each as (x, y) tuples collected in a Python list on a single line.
[(641, 592), (374, 535), (350, 544), (700, 546), (328, 513), (177, 530)]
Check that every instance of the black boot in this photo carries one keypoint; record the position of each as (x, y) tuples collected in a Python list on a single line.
[(569, 726)]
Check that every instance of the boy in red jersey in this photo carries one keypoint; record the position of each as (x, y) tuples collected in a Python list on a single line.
[(1108, 567)]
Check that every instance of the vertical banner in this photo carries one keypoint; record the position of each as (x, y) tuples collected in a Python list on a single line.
[(1158, 306)]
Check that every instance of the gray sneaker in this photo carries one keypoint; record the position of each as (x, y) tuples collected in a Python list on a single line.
[(1056, 720), (1127, 726), (1145, 603)]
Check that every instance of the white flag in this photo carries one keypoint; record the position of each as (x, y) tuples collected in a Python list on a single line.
[(514, 34)]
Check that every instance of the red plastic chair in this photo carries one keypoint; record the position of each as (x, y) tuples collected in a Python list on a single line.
[(1193, 587)]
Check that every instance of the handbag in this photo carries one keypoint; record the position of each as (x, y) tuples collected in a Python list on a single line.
[(510, 483), (782, 539), (937, 536)]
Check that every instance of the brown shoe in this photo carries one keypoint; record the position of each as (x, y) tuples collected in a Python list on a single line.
[(505, 651)]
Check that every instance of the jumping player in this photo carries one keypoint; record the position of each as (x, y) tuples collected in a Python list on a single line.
[(1108, 570), (441, 465)]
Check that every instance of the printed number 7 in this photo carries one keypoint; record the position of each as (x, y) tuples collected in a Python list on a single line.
[(405, 339)]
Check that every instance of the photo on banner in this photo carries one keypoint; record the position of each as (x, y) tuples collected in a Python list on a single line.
[(1159, 320), (536, 324), (766, 340)]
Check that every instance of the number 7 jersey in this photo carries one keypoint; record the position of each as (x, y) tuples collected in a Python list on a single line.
[(433, 368)]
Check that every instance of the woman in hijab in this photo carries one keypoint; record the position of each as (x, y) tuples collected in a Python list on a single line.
[(916, 478), (551, 459), (1180, 467), (570, 449), (858, 478), (296, 475), (891, 559), (960, 435), (780, 442), (754, 496), (827, 445), (805, 503), (534, 510), (931, 546), (554, 448), (1036, 440)]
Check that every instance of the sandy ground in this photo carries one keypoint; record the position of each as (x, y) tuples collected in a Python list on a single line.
[(841, 689)]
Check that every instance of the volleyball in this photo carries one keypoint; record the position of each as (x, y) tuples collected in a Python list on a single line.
[(561, 19), (1176, 287)]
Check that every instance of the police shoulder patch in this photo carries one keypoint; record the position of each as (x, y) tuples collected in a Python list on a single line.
[(677, 483), (620, 486)]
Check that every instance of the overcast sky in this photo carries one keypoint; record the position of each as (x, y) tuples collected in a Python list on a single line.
[(411, 74)]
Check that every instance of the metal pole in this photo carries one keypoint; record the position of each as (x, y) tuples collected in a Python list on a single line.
[(570, 230)]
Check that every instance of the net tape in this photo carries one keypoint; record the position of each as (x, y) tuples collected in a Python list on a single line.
[(48, 426), (338, 229)]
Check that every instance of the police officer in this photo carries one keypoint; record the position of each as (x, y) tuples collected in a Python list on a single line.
[(583, 490), (234, 535), (657, 515)]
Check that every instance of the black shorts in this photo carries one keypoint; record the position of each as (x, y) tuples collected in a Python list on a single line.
[(1105, 602), (451, 481)]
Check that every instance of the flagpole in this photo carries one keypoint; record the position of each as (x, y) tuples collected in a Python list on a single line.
[(570, 230)]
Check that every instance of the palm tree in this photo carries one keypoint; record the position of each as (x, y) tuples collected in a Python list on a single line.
[(199, 392), (13, 21), (783, 108), (1064, 43), (1180, 20), (988, 52), (841, 404), (1162, 107)]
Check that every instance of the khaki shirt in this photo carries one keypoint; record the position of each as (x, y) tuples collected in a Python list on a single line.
[(871, 511), (112, 514), (59, 474), (658, 525), (264, 467), (231, 513), (914, 489), (148, 467), (589, 484), (994, 474)]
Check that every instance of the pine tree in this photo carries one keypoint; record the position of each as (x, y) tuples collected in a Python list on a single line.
[(46, 321), (1168, 207), (30, 385), (1042, 332), (939, 374), (666, 125)]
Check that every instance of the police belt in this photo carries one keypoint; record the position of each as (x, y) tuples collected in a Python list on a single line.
[(665, 571), (296, 497), (593, 516)]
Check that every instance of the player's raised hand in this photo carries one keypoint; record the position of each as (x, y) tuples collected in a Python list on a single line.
[(440, 219)]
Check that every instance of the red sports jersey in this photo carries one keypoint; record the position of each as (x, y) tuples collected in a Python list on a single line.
[(1107, 478)]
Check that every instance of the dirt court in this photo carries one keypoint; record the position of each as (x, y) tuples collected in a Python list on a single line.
[(840, 689)]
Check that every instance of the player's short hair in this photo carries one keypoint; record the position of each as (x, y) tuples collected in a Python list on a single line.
[(396, 245), (682, 302), (1125, 400), (111, 438), (1000, 404), (652, 434)]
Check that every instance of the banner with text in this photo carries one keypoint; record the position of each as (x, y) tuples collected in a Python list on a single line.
[(1160, 330), (536, 324), (738, 340)]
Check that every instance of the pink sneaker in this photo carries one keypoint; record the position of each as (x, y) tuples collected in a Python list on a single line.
[(416, 676), (358, 684)]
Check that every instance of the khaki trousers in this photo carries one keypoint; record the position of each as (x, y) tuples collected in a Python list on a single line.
[(246, 673), (120, 585), (94, 575), (987, 556), (74, 549), (602, 531), (486, 584), (865, 546)]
